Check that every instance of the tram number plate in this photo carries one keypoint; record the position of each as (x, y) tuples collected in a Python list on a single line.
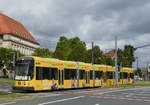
[(19, 83)]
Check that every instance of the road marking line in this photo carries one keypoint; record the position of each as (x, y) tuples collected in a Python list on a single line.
[(8, 103), (60, 100)]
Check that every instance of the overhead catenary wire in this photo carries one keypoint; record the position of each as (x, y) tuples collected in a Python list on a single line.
[(142, 46)]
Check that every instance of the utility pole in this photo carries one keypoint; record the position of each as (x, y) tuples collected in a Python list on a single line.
[(13, 64), (137, 63), (93, 63), (14, 61), (77, 74), (116, 65), (147, 75), (14, 58), (121, 72), (137, 66)]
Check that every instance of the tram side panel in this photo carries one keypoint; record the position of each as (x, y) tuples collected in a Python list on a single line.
[(46, 78)]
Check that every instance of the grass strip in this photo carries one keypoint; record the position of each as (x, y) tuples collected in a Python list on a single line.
[(6, 81)]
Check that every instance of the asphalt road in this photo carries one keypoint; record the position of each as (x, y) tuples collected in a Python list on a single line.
[(95, 96)]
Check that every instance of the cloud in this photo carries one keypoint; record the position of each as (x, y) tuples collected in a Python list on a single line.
[(91, 20)]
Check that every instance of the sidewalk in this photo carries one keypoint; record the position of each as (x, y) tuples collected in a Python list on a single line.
[(5, 88)]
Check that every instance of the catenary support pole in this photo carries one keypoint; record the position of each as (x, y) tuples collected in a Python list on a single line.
[(116, 65), (93, 63)]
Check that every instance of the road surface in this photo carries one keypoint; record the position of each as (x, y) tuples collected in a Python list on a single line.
[(94, 96)]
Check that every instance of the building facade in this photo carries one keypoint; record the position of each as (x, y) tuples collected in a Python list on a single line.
[(15, 36)]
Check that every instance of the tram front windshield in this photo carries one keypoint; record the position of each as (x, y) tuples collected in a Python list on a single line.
[(24, 70)]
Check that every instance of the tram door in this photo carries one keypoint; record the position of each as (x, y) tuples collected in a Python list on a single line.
[(87, 78), (61, 78)]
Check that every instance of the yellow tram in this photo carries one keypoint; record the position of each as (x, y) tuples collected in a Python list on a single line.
[(38, 74)]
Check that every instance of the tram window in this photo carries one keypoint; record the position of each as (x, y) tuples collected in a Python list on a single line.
[(54, 73), (91, 74), (39, 74), (125, 75), (82, 74), (131, 75), (121, 75), (70, 74), (109, 75), (73, 74), (98, 74), (67, 74), (46, 73)]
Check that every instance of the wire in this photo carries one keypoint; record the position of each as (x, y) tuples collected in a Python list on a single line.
[(142, 46)]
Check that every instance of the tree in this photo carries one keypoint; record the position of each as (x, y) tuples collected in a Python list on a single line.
[(109, 60), (70, 49), (6, 57), (62, 50), (129, 54), (43, 52), (98, 56), (121, 59), (139, 72), (77, 50), (126, 56)]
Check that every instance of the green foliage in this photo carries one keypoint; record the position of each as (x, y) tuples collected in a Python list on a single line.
[(126, 56), (70, 49), (109, 60), (62, 50), (6, 81), (78, 50), (138, 72), (43, 52), (6, 57), (98, 56), (129, 54), (75, 50)]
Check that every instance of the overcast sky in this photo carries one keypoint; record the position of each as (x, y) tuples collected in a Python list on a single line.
[(91, 20)]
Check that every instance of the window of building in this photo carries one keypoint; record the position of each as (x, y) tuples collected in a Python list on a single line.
[(1, 36)]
